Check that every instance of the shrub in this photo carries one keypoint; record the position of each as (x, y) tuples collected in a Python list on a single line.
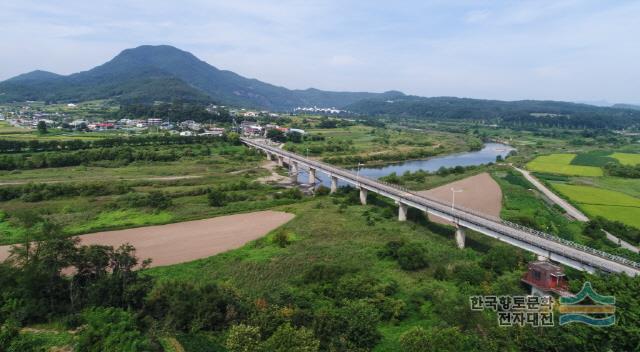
[(243, 338), (281, 238), (413, 256), (418, 339), (290, 339), (111, 329), (217, 198), (191, 308)]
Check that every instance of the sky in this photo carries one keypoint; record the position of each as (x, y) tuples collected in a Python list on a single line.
[(561, 50)]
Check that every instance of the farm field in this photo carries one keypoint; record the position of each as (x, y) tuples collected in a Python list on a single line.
[(186, 241), (609, 204), (627, 158), (630, 186), (561, 164), (480, 193)]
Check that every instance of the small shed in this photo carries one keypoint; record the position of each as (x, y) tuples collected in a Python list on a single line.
[(545, 277)]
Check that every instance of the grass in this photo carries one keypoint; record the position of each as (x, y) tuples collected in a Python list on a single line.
[(630, 186), (123, 218), (361, 142), (609, 204), (521, 203), (627, 158), (598, 158), (561, 164), (262, 269)]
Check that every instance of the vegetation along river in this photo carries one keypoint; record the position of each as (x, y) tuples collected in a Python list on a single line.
[(486, 155)]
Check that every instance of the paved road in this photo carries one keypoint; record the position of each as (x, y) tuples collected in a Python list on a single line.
[(569, 252), (621, 242), (570, 209)]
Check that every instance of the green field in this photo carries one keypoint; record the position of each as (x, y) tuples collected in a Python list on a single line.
[(611, 205), (627, 158), (561, 164)]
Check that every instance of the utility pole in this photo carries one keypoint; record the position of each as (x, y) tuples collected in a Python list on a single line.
[(453, 195)]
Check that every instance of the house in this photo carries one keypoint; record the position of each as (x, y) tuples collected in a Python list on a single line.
[(297, 130), (154, 122), (214, 132), (545, 277)]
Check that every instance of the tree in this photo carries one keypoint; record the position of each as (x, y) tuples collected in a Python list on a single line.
[(276, 135), (418, 339), (413, 256), (351, 327), (290, 339), (111, 329), (217, 198), (295, 137), (243, 338), (42, 127)]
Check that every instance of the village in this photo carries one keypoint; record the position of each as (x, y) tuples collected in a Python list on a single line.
[(29, 117)]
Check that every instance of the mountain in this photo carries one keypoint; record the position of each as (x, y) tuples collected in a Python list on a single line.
[(627, 106), (523, 112), (164, 73)]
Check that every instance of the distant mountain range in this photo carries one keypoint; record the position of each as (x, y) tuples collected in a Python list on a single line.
[(539, 113), (164, 73)]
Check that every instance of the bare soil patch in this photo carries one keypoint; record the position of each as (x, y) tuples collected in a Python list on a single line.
[(480, 193), (186, 241)]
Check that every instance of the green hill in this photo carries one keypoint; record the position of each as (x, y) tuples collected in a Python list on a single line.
[(151, 73)]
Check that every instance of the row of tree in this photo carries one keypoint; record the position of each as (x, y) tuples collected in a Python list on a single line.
[(176, 111), (39, 145)]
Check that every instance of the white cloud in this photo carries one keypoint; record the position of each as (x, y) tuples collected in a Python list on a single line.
[(563, 49)]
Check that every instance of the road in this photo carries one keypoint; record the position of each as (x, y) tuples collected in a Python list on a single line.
[(570, 209), (621, 242)]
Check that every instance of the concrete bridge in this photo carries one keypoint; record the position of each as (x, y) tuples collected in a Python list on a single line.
[(542, 244)]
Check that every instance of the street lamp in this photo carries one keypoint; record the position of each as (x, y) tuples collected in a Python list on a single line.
[(358, 173), (453, 195)]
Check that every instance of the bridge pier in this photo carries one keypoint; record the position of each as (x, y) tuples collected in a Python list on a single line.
[(293, 171), (268, 156), (402, 211), (460, 237), (312, 176), (334, 184), (280, 160), (363, 195)]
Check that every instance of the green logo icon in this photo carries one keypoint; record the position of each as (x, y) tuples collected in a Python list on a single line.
[(600, 313)]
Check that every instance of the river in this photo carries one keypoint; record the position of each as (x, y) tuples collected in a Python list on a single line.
[(486, 155)]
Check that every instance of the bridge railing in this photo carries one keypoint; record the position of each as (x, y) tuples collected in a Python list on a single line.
[(528, 230), (460, 210)]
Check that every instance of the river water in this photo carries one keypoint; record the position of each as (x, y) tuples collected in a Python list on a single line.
[(486, 155)]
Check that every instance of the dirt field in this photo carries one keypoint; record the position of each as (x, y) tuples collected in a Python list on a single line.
[(479, 192), (191, 240)]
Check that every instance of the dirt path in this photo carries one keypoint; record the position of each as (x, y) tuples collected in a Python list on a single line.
[(186, 241), (479, 192)]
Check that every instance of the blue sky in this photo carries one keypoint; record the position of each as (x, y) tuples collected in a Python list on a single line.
[(561, 50)]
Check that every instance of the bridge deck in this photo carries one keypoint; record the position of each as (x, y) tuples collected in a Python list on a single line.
[(553, 247)]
